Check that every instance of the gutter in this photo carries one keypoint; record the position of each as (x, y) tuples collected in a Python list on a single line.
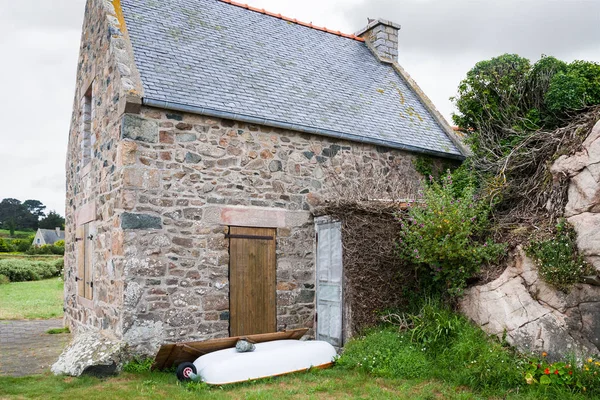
[(293, 127)]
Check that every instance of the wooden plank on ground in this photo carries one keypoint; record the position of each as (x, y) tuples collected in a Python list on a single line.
[(174, 354)]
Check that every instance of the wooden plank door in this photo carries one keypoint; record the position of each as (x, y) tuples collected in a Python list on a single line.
[(329, 283), (252, 280)]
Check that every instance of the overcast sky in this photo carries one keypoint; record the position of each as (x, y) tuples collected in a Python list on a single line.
[(440, 41)]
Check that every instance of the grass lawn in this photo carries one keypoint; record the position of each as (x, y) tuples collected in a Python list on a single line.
[(329, 384), (32, 300), (335, 383), (5, 233), (35, 257)]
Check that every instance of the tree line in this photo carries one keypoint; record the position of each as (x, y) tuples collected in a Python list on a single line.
[(29, 214)]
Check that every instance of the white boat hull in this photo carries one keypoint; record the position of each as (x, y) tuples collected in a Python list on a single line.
[(274, 358)]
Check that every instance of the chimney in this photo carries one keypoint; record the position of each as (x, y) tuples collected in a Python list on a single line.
[(382, 35), (57, 231)]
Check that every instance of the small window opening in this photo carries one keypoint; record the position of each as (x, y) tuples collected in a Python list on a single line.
[(86, 128)]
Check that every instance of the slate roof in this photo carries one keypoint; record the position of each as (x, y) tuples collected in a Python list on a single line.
[(206, 54), (50, 236)]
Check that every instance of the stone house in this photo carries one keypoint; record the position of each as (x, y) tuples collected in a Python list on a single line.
[(203, 133), (48, 236)]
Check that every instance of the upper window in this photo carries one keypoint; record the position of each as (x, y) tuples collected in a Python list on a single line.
[(86, 128)]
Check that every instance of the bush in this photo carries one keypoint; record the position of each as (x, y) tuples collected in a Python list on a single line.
[(48, 249), (558, 261), (138, 365), (4, 280), (23, 270), (22, 245), (440, 345), (6, 246), (444, 234)]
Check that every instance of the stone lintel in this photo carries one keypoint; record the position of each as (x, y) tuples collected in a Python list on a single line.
[(86, 213), (262, 217)]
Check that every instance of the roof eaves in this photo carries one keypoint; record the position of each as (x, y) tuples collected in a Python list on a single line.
[(294, 127)]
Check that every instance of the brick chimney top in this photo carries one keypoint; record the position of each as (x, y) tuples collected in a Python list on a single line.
[(382, 35)]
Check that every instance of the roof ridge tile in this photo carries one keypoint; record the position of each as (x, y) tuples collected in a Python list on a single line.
[(293, 20)]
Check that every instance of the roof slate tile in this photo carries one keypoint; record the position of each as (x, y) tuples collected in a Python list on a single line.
[(210, 54)]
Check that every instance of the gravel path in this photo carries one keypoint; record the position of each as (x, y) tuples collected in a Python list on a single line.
[(26, 348)]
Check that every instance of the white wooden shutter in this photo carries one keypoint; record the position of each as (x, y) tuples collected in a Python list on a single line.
[(329, 282)]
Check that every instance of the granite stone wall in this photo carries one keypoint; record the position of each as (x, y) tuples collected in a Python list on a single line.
[(162, 189), (93, 180), (186, 179)]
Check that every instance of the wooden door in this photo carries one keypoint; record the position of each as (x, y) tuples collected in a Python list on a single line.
[(252, 280), (329, 283)]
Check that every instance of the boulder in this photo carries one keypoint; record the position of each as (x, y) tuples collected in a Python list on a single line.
[(534, 316), (96, 353)]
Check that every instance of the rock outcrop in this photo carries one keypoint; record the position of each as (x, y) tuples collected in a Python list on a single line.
[(534, 316), (583, 207), (97, 353)]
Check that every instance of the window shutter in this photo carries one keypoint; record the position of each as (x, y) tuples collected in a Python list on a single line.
[(80, 243)]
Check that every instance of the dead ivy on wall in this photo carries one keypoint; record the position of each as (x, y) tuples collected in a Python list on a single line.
[(369, 207)]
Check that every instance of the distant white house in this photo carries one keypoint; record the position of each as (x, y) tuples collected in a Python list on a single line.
[(48, 236)]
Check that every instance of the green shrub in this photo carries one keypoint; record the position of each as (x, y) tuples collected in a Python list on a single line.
[(24, 270), (435, 325), (4, 280), (444, 234), (47, 249), (21, 245), (558, 261), (6, 246), (440, 345), (138, 365)]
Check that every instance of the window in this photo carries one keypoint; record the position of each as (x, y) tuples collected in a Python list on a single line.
[(39, 241), (85, 279), (87, 141)]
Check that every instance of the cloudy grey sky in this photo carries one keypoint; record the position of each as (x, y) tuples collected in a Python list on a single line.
[(440, 41)]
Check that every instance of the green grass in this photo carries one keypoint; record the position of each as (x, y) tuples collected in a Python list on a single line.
[(32, 300), (36, 257), (57, 331), (334, 383), (5, 233)]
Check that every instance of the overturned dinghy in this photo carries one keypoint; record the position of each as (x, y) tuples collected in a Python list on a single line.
[(217, 362), (269, 359)]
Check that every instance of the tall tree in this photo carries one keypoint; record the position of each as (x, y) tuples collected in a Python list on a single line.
[(35, 207), (13, 214), (52, 220)]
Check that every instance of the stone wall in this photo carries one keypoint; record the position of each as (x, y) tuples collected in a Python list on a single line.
[(186, 179), (106, 66)]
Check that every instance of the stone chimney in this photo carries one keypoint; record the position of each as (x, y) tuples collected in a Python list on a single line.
[(57, 231), (382, 35)]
